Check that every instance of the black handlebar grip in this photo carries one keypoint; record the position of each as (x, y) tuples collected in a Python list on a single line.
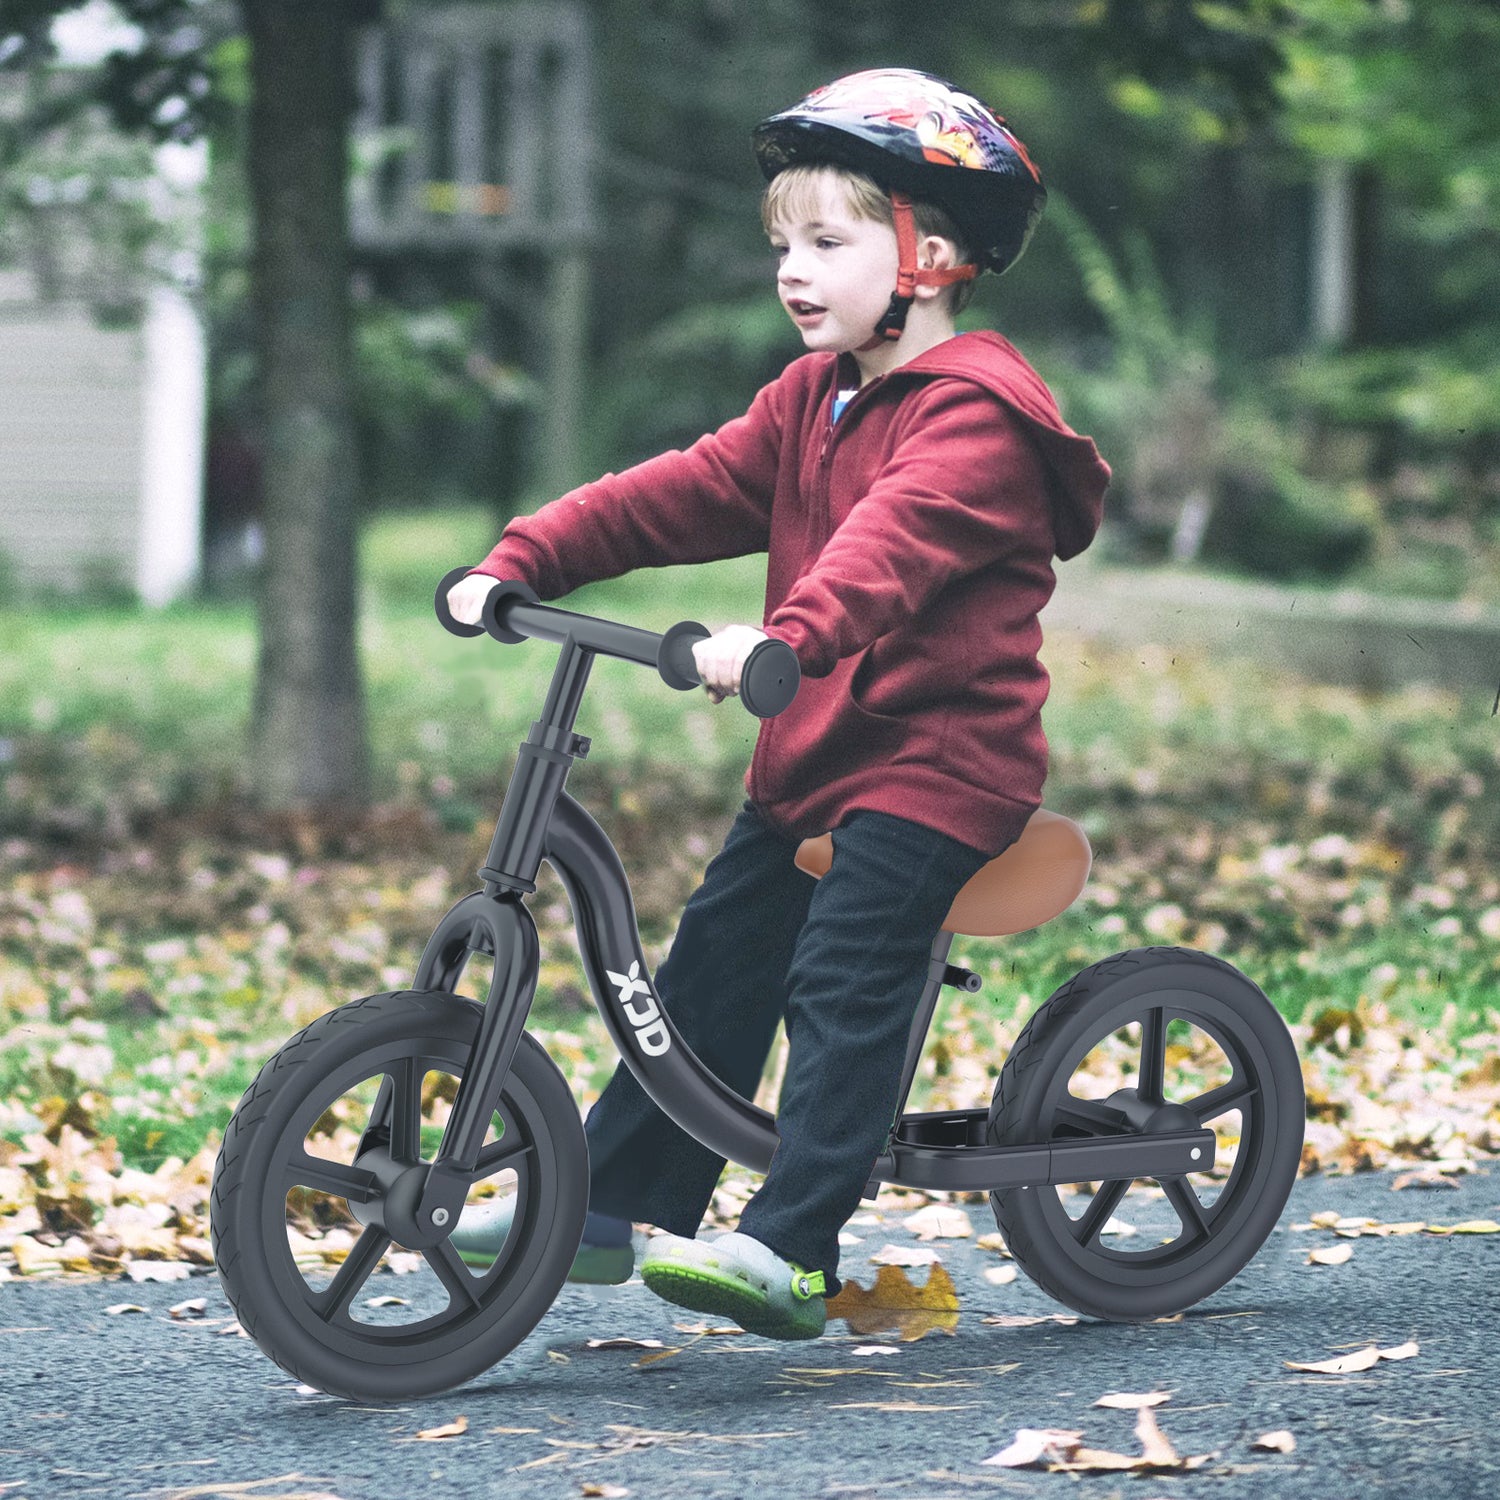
[(675, 659), (770, 679), (490, 616), (444, 614)]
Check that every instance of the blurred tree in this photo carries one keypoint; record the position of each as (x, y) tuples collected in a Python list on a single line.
[(310, 743)]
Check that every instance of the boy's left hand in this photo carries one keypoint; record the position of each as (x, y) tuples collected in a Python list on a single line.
[(721, 658)]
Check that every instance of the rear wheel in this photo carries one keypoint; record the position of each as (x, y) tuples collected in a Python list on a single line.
[(1153, 1039), (349, 1103)]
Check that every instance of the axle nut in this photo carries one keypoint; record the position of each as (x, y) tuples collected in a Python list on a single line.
[(440, 1216)]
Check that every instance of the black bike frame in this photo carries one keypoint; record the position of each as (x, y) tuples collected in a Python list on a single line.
[(945, 1150)]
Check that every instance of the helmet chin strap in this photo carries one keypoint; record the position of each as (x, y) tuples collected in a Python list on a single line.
[(908, 277)]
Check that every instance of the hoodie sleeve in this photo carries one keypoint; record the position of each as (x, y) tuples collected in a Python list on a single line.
[(963, 487), (710, 502)]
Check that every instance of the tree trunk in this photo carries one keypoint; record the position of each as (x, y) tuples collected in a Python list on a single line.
[(309, 741)]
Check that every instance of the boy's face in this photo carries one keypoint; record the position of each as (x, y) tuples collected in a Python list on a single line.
[(836, 272)]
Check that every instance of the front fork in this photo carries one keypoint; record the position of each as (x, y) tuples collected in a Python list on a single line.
[(497, 924)]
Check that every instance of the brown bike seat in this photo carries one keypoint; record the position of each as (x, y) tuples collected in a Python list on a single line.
[(1039, 877)]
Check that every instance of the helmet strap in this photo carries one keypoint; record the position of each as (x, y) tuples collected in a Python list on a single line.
[(908, 278)]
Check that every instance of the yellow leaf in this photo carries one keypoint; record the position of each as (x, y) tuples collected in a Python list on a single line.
[(1469, 1226), (34, 1258), (895, 1305)]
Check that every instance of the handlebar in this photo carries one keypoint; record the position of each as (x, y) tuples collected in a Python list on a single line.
[(512, 613)]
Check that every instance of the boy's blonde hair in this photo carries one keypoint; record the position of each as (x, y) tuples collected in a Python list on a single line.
[(793, 194)]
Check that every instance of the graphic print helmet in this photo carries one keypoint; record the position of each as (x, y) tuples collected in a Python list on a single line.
[(917, 136)]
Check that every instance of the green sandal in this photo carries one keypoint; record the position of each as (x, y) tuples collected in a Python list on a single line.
[(737, 1277)]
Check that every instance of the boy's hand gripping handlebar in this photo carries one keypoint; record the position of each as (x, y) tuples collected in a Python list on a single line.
[(512, 613)]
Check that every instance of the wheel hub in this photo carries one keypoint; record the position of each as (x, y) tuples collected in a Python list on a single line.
[(1146, 1115), (395, 1208)]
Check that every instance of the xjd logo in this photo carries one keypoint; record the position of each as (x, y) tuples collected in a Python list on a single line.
[(650, 1030)]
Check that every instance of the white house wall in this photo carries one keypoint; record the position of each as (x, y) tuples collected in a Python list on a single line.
[(71, 448)]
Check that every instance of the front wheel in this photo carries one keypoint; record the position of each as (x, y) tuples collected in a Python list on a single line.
[(352, 1100), (1163, 1039)]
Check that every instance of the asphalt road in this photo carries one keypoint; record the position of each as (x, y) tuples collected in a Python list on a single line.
[(147, 1405)]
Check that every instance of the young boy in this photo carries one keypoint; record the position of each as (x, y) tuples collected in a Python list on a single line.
[(911, 487)]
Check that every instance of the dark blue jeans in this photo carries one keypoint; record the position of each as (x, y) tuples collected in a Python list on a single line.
[(843, 960)]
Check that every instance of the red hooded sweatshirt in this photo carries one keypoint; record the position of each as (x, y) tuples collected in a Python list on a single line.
[(910, 550)]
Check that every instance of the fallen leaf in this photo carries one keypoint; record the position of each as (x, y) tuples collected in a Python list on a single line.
[(34, 1258), (624, 1343), (1125, 1401), (606, 1491), (1469, 1226), (387, 1301), (904, 1255), (1155, 1448), (1426, 1177), (939, 1221), (876, 1349), (456, 1428), (1361, 1359), (651, 1359), (992, 1242), (901, 1406), (124, 1307), (194, 1308), (1000, 1275), (895, 1305), (1334, 1255), (251, 1488), (1061, 1452), (1280, 1441), (710, 1330), (1030, 1444), (1020, 1320), (158, 1270)]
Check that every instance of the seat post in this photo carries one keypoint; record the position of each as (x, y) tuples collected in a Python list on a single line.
[(936, 969)]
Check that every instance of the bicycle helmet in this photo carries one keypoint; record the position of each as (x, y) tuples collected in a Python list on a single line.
[(917, 136)]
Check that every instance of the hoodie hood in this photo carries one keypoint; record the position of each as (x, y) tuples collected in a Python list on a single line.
[(1077, 475)]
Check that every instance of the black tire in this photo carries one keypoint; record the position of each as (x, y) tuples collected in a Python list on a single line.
[(1033, 1102), (264, 1164)]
